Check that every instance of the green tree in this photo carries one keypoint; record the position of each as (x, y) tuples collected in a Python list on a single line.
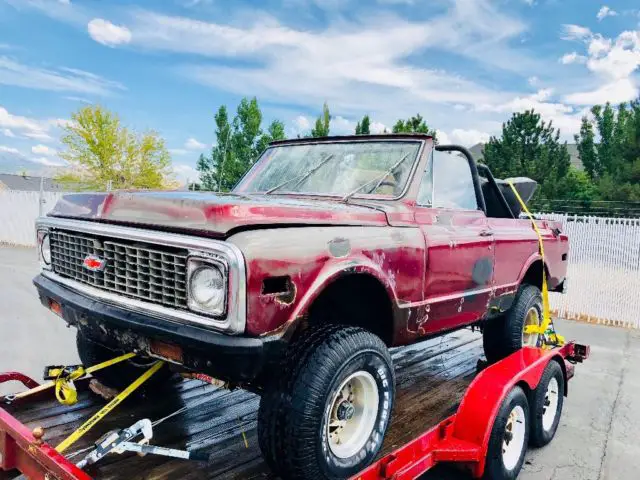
[(363, 127), (528, 147), (238, 145), (415, 124), (323, 123), (102, 152), (613, 161)]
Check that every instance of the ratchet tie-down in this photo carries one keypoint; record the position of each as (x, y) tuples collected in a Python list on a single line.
[(548, 337)]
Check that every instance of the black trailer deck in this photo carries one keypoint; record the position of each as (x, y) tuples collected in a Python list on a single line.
[(432, 377)]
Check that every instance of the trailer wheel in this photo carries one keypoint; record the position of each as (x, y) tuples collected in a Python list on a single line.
[(505, 335), (509, 438), (546, 405), (330, 417), (120, 375)]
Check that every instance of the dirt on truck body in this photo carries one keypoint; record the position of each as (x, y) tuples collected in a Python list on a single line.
[(326, 254)]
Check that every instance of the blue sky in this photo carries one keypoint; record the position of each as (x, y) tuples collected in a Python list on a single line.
[(465, 65)]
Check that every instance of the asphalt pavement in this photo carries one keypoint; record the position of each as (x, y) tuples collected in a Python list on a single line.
[(597, 438)]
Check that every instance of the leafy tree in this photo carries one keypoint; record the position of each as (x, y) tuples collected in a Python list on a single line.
[(613, 162), (238, 145), (363, 127), (323, 123), (528, 147), (101, 152), (415, 124)]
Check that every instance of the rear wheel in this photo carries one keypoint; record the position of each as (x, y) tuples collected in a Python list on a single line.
[(509, 438), (546, 405), (120, 375), (327, 418), (505, 334)]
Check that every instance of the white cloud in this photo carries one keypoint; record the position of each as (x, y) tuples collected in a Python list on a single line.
[(377, 127), (47, 162), (78, 99), (106, 33), (28, 127), (193, 144), (41, 136), (185, 173), (575, 32), (302, 123), (342, 126), (615, 92), (604, 12), (12, 150), (572, 57), (178, 151), (533, 81), (62, 79), (468, 138), (8, 133), (43, 150)]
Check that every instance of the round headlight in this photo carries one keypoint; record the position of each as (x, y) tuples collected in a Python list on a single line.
[(207, 288), (45, 249)]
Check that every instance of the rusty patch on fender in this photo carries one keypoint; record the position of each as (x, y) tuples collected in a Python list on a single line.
[(339, 247)]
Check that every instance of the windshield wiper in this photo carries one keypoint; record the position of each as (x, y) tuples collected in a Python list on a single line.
[(301, 178), (379, 179)]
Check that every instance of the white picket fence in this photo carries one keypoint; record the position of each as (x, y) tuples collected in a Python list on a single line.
[(18, 212), (603, 272), (604, 261)]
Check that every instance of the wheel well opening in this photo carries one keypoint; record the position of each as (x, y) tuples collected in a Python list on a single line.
[(357, 300), (534, 274)]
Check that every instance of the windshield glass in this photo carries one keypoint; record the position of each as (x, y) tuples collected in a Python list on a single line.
[(371, 167)]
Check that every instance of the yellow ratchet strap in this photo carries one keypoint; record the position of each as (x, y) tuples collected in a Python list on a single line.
[(86, 426), (546, 311), (63, 384)]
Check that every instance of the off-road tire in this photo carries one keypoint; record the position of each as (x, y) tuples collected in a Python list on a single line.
[(494, 467), (502, 335), (291, 420), (540, 436), (120, 375)]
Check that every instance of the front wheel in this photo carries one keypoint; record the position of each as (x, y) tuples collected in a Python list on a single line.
[(330, 415)]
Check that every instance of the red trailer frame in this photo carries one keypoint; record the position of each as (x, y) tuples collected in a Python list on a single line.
[(462, 438)]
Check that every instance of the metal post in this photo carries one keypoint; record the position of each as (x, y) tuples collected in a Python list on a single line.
[(41, 197)]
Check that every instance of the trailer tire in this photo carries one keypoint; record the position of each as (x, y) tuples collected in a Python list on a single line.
[(503, 335), (331, 362), (509, 438), (120, 375), (546, 405)]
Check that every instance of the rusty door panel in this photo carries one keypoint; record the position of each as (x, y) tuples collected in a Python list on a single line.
[(459, 274)]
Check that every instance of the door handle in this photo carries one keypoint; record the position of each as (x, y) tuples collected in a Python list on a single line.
[(486, 233)]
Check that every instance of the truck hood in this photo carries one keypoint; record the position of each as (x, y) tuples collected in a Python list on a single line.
[(212, 213)]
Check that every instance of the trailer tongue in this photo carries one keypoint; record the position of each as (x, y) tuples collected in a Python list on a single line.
[(446, 411)]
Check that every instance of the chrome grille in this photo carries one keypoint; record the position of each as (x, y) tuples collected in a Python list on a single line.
[(152, 273)]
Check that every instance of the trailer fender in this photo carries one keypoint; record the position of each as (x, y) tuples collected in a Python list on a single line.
[(481, 403)]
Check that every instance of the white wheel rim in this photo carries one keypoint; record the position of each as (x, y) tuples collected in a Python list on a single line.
[(513, 440), (532, 318), (550, 409), (353, 413)]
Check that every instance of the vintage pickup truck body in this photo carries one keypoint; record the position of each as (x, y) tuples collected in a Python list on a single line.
[(417, 270)]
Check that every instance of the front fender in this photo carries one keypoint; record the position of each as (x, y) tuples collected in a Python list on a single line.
[(310, 258)]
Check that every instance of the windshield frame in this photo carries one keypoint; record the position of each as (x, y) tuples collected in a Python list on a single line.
[(314, 141)]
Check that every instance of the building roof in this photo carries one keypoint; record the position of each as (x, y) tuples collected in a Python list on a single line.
[(28, 183), (572, 148)]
